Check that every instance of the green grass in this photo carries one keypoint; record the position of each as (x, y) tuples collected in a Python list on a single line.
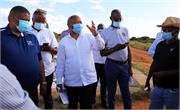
[(140, 45)]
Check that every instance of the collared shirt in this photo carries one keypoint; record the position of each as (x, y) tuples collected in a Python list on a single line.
[(152, 48), (21, 55), (113, 36), (97, 56), (166, 58), (46, 36), (12, 96), (75, 60)]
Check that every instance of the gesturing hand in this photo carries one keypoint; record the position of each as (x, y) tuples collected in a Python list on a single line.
[(92, 29)]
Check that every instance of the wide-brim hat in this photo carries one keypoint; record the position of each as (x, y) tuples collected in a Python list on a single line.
[(171, 22)]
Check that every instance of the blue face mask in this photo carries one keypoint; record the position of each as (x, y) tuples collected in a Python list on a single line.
[(39, 26), (167, 36), (116, 24), (23, 25), (77, 28)]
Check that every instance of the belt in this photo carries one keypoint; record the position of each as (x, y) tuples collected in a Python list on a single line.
[(118, 62)]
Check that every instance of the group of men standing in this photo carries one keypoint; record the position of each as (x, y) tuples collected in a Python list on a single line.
[(76, 65), (28, 52), (82, 59)]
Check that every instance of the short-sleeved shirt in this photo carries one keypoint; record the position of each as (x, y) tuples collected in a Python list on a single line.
[(46, 36), (21, 55), (166, 58), (113, 36)]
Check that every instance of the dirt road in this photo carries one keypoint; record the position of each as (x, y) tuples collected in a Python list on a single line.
[(141, 58)]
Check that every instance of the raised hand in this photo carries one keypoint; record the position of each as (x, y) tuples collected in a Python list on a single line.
[(92, 29)]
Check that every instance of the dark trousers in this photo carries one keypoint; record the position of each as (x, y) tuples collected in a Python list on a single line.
[(48, 101), (83, 95), (33, 94), (117, 72), (103, 91)]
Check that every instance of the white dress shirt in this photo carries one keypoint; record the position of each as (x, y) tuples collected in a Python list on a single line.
[(12, 96), (97, 56), (152, 48), (75, 60), (46, 36), (113, 36)]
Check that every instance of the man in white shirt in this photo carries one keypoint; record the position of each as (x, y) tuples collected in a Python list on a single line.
[(118, 62), (99, 65), (12, 96), (76, 65), (48, 44)]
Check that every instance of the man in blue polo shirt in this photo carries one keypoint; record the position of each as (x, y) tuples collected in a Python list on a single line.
[(20, 52)]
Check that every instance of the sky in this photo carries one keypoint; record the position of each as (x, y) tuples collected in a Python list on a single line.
[(139, 16)]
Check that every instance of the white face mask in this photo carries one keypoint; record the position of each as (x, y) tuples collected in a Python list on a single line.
[(39, 26)]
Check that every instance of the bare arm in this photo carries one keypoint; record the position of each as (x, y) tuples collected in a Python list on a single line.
[(130, 61), (42, 78), (106, 52), (151, 71)]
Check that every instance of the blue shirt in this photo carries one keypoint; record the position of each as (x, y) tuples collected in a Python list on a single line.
[(21, 55)]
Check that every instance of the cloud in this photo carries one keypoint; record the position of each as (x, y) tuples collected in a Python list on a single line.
[(4, 12), (34, 3), (65, 1), (98, 7), (57, 23), (96, 4), (95, 1), (54, 2)]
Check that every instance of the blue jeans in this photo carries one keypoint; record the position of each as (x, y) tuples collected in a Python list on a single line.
[(117, 72), (164, 98)]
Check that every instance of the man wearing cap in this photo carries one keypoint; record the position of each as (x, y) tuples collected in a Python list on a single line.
[(118, 62), (165, 68)]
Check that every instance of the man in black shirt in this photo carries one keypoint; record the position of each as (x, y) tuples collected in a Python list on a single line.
[(165, 68)]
